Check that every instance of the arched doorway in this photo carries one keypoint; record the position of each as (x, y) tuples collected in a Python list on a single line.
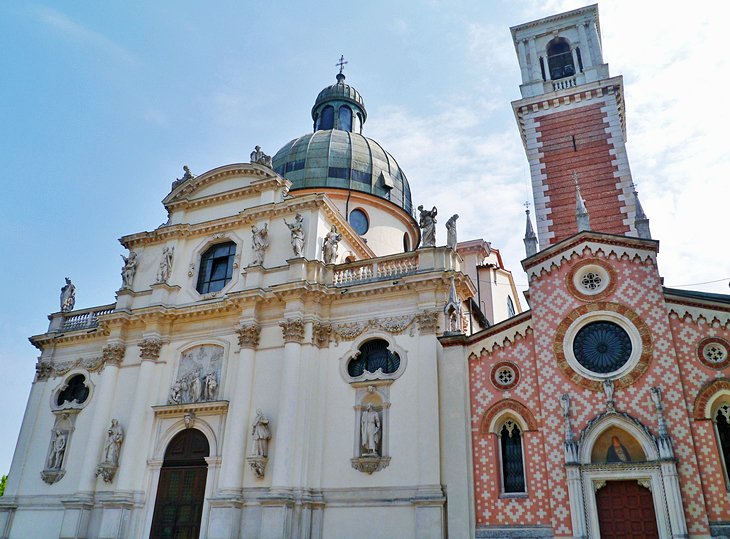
[(626, 511), (181, 489)]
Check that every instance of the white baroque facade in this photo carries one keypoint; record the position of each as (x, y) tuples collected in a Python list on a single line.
[(241, 387)]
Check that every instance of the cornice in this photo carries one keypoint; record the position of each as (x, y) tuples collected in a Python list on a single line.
[(198, 182), (591, 11), (585, 244), (507, 330)]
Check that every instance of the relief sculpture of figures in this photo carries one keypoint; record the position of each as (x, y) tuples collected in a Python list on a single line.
[(261, 435), (113, 443), (165, 269), (129, 269), (329, 246), (427, 222), (297, 234), (68, 296), (370, 431), (260, 237), (58, 450), (451, 232)]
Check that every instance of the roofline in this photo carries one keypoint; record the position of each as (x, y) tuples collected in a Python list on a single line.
[(697, 298)]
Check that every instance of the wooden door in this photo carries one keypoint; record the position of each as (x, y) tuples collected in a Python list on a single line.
[(626, 511), (181, 489)]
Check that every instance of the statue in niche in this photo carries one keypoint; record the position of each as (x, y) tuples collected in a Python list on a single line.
[(260, 242), (165, 269), (113, 443), (297, 234), (129, 269), (329, 245), (427, 223), (259, 157), (58, 449), (370, 431), (68, 296), (451, 232), (261, 435), (198, 376)]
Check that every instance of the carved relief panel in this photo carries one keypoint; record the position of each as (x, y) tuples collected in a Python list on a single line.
[(198, 375)]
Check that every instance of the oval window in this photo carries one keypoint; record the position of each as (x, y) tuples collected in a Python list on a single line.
[(359, 221)]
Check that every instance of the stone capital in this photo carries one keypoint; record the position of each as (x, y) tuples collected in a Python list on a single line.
[(149, 348), (321, 334), (427, 321), (248, 336), (113, 354), (293, 330)]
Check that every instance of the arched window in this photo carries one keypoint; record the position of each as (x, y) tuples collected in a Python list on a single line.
[(345, 118), (181, 489), (374, 355), (327, 119), (359, 122), (513, 469), (722, 425), (406, 242), (510, 307), (560, 59), (216, 267)]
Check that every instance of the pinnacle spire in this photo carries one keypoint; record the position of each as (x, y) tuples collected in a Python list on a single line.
[(581, 212), (641, 221), (530, 238)]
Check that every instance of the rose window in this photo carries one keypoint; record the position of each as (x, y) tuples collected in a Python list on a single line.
[(591, 281), (505, 376), (715, 353), (602, 347)]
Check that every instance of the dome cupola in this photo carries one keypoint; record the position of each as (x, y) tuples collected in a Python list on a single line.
[(339, 106)]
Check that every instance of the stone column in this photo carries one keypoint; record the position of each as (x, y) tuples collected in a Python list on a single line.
[(132, 462), (112, 354), (587, 55), (522, 55), (225, 512), (595, 42), (576, 63), (674, 499), (534, 60), (577, 503)]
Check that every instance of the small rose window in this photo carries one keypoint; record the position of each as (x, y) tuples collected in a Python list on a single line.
[(505, 375), (713, 352)]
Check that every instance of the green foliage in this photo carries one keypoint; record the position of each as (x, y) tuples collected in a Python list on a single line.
[(3, 480)]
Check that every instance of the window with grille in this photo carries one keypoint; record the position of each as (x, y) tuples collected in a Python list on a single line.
[(216, 267), (75, 390), (374, 355), (513, 473)]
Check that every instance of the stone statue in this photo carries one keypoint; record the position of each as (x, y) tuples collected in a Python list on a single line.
[(260, 237), (187, 175), (261, 435), (175, 394), (258, 156), (113, 443), (211, 387), (451, 232), (608, 390), (329, 246), (565, 404), (370, 431), (196, 388), (165, 269), (297, 234), (58, 450), (427, 222), (68, 296), (129, 269)]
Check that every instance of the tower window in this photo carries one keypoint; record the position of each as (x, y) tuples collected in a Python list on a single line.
[(327, 119), (345, 118), (216, 267), (513, 471), (510, 307), (560, 59)]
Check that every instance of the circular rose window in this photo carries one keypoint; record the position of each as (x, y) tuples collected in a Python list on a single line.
[(602, 347)]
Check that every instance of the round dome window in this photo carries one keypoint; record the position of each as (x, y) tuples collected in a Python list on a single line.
[(359, 221)]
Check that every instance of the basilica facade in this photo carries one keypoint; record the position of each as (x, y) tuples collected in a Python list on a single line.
[(292, 355)]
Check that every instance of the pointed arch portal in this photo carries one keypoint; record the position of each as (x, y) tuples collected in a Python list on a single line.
[(181, 489)]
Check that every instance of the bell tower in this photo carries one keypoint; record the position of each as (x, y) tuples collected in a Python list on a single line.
[(572, 122)]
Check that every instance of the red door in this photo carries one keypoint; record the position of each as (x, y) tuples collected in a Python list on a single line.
[(626, 511)]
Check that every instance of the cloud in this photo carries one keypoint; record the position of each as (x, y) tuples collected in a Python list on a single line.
[(79, 33)]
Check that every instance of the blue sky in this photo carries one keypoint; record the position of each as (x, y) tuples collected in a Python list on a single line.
[(102, 104)]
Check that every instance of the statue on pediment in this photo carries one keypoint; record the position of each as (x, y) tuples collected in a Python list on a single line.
[(187, 175), (165, 269), (451, 232), (427, 223), (329, 246), (68, 296), (297, 234), (259, 157), (129, 269), (260, 242)]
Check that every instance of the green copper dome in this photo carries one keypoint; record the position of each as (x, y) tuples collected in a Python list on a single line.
[(337, 156)]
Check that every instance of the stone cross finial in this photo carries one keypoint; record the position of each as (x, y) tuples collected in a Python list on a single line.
[(341, 63)]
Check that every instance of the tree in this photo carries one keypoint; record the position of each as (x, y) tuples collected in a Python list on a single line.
[(3, 481)]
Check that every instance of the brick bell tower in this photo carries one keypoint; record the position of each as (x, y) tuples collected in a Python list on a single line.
[(572, 122)]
